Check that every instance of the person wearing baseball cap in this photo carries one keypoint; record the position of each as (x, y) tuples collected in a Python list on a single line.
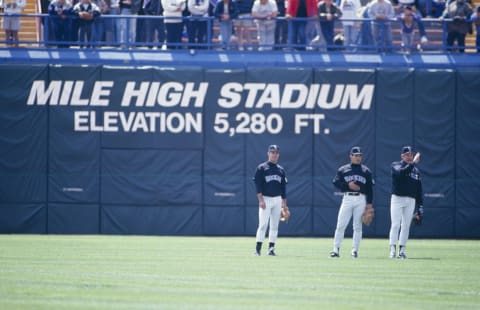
[(270, 182), (355, 181), (406, 193)]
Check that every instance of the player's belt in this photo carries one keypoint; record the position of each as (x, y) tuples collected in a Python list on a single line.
[(351, 194)]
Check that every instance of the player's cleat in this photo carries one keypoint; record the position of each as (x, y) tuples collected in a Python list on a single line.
[(393, 250), (354, 254), (271, 252), (334, 254), (256, 253), (402, 256)]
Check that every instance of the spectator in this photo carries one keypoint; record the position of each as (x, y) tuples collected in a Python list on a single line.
[(265, 13), (350, 9), (475, 19), (128, 24), (281, 28), (47, 28), (154, 26), (172, 11), (86, 11), (226, 11), (414, 8), (60, 10), (113, 25), (381, 11), (408, 19), (98, 35), (299, 11), (11, 24), (457, 29), (328, 12), (366, 37), (197, 24), (244, 23)]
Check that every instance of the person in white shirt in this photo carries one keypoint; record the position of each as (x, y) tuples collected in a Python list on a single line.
[(197, 24), (381, 11), (350, 9), (265, 12), (172, 11), (11, 24)]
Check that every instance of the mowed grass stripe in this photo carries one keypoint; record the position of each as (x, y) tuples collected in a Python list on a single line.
[(136, 272)]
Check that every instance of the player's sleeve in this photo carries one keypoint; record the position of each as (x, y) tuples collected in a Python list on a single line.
[(419, 196), (339, 181), (399, 169), (284, 185), (369, 188), (258, 179)]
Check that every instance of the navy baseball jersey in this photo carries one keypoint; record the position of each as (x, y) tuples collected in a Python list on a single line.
[(270, 180), (406, 181), (360, 174)]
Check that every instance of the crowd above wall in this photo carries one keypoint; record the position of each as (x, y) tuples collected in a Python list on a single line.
[(346, 25)]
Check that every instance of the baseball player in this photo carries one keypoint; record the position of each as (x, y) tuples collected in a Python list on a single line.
[(356, 183), (406, 191), (270, 181)]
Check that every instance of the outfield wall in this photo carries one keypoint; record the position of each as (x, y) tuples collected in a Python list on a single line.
[(116, 150)]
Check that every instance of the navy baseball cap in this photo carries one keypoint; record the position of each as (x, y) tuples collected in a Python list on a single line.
[(356, 150), (273, 148), (407, 149)]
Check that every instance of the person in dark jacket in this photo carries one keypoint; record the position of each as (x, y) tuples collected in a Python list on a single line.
[(226, 11), (457, 29), (328, 13)]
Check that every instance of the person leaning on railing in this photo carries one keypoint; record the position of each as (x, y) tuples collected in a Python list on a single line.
[(381, 11), (172, 11), (297, 12), (457, 29), (197, 23), (86, 11), (226, 11), (350, 27), (328, 13), (60, 12), (265, 12), (11, 23)]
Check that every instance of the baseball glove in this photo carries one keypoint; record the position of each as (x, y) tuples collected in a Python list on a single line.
[(85, 15), (285, 214), (368, 215), (418, 215)]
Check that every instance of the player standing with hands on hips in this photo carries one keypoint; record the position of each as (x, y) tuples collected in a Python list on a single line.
[(270, 182), (406, 191), (356, 183)]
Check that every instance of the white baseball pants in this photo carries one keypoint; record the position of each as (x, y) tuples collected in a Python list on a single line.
[(273, 207), (401, 213), (351, 206)]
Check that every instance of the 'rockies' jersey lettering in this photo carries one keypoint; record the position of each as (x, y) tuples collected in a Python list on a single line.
[(355, 178), (406, 181), (360, 174), (270, 180)]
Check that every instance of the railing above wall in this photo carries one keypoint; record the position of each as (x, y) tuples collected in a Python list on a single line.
[(120, 26)]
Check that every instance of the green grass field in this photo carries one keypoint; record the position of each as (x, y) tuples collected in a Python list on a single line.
[(132, 272)]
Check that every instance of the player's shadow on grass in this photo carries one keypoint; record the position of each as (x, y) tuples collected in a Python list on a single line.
[(424, 258)]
